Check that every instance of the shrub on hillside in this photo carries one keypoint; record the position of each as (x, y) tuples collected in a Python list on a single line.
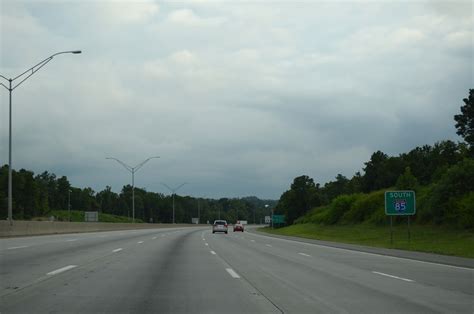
[(339, 206), (465, 211), (317, 215), (364, 206), (449, 198)]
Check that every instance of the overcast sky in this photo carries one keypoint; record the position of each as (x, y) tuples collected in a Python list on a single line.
[(236, 97)]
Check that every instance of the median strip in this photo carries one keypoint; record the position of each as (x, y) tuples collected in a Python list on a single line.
[(60, 270), (392, 276)]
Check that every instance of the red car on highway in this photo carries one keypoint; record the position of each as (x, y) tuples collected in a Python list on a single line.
[(238, 227)]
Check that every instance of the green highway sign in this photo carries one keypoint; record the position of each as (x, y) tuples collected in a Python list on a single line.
[(400, 203), (278, 219)]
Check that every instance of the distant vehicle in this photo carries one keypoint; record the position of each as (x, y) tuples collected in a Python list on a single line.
[(238, 227), (219, 226)]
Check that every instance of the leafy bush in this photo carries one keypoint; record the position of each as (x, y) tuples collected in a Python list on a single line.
[(465, 211), (451, 191), (364, 207), (340, 206)]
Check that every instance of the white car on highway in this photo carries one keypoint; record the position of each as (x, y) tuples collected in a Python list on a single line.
[(219, 226)]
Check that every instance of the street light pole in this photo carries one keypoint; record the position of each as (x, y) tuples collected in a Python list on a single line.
[(173, 191), (10, 89), (132, 170), (69, 204), (199, 212)]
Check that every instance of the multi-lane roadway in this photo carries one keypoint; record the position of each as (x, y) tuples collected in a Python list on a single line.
[(191, 270)]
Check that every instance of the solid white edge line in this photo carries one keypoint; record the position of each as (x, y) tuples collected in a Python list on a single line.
[(213, 253), (232, 273), (361, 252), (392, 276), (18, 247), (60, 270), (304, 254), (117, 250)]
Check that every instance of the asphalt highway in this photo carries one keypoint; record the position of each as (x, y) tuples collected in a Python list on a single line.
[(191, 270)]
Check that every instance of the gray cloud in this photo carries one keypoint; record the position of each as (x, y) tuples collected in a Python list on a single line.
[(236, 98)]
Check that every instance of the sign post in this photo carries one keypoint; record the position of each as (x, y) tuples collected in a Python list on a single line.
[(400, 203)]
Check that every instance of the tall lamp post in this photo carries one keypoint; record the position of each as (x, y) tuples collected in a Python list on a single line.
[(174, 192), (11, 86), (132, 171), (69, 204)]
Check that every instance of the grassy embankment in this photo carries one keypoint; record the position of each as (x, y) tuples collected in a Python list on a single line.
[(78, 216), (443, 224), (424, 238)]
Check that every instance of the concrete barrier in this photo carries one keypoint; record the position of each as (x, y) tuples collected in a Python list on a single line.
[(29, 228)]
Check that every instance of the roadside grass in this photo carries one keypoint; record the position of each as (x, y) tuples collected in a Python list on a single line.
[(78, 216), (424, 238)]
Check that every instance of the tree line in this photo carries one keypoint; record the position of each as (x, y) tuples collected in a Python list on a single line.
[(444, 172), (35, 196)]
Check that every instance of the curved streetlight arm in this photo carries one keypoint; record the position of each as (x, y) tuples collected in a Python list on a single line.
[(33, 71), (175, 189), (35, 68), (143, 163), (171, 190), (122, 163)]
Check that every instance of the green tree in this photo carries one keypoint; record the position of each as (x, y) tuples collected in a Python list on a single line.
[(407, 181), (303, 195), (465, 120)]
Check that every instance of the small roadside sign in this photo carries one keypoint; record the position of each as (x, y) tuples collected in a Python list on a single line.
[(267, 219), (400, 203), (91, 216), (278, 219)]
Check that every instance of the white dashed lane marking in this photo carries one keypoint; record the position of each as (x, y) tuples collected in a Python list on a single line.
[(117, 250), (392, 276), (232, 273), (18, 247), (60, 270), (304, 254)]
